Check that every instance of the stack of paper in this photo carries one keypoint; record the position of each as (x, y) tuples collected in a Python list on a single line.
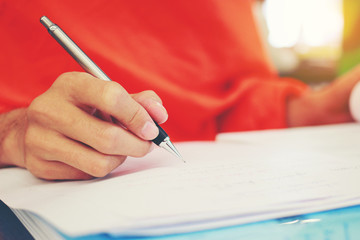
[(240, 178)]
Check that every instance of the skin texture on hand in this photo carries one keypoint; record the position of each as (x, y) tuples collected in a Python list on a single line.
[(329, 105), (59, 137)]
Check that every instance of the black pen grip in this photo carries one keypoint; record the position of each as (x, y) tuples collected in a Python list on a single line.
[(162, 135)]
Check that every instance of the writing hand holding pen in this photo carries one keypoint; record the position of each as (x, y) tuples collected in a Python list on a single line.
[(59, 137), (162, 139), (62, 140)]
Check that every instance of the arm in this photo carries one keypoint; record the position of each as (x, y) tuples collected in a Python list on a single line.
[(56, 137), (326, 106)]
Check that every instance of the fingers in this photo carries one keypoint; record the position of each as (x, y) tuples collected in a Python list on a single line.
[(55, 170), (63, 140), (152, 104), (55, 148), (111, 98), (103, 136)]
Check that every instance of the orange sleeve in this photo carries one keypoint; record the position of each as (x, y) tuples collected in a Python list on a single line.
[(260, 103), (204, 58)]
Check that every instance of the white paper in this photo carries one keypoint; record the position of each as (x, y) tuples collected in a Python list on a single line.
[(245, 179)]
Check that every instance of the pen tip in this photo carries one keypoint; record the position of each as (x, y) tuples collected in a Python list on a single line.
[(169, 146)]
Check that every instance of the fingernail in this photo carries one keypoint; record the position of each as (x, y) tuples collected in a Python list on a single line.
[(149, 130)]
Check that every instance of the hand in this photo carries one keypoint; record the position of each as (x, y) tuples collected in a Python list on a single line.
[(59, 138), (329, 105)]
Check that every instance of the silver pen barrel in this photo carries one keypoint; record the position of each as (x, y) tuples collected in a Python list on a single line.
[(70, 46)]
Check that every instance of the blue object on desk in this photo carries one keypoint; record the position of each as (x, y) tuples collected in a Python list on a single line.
[(338, 224), (10, 226)]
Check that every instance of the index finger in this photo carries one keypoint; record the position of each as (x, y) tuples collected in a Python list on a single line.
[(110, 97)]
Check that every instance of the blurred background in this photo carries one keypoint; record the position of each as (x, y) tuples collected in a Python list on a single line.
[(312, 40)]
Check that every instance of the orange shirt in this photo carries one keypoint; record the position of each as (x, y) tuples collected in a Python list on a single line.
[(203, 58)]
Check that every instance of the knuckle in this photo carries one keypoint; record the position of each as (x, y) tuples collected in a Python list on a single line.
[(70, 83), (100, 168), (65, 76), (64, 79), (35, 142), (37, 109), (108, 139), (137, 114), (30, 137), (33, 167), (147, 94), (43, 109), (69, 77), (112, 94), (153, 95)]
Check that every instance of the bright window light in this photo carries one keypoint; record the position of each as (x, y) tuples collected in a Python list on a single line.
[(310, 23)]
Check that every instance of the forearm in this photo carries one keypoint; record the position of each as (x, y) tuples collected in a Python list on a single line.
[(12, 126), (325, 106)]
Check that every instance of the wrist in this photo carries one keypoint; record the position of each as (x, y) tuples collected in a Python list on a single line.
[(11, 138)]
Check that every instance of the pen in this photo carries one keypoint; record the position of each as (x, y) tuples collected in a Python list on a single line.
[(162, 140)]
